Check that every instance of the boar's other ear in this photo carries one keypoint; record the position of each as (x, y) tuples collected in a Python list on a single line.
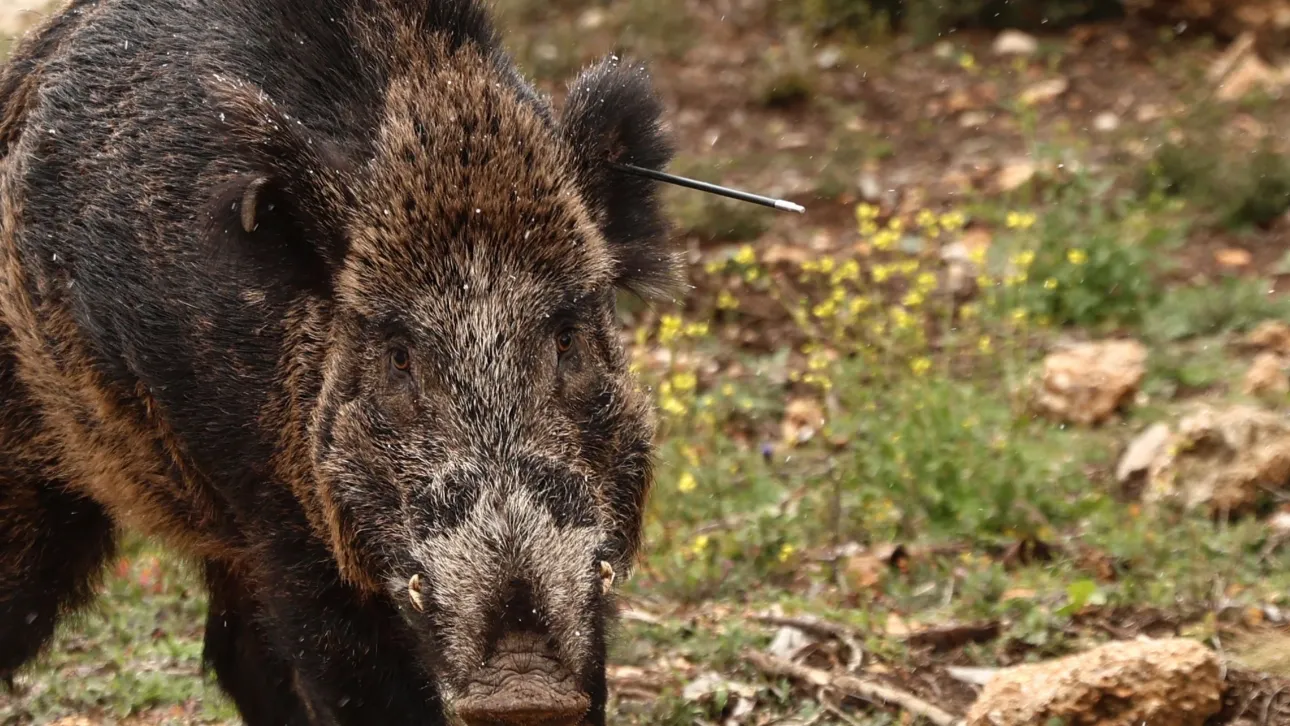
[(612, 114), (288, 208)]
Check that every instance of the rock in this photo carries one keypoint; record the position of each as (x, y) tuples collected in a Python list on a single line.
[(1250, 73), (1229, 460), (974, 119), (1140, 452), (1044, 91), (1174, 681), (1106, 122), (1015, 42), (1267, 376), (1088, 382), (1270, 335)]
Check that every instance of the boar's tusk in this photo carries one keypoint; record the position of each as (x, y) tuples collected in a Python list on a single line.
[(249, 202), (414, 593), (606, 576)]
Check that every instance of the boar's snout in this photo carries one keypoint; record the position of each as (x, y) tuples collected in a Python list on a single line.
[(523, 684)]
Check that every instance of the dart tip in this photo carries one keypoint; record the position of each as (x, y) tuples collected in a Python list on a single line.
[(789, 206)]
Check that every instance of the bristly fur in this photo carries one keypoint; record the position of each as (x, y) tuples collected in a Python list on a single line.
[(321, 294)]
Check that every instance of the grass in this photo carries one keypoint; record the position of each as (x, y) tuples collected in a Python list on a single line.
[(845, 435)]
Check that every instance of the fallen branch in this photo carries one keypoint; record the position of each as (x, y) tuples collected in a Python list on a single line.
[(821, 629), (851, 686)]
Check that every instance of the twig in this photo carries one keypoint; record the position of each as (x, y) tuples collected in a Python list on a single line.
[(851, 686)]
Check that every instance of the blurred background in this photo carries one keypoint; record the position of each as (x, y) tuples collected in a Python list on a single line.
[(1013, 390)]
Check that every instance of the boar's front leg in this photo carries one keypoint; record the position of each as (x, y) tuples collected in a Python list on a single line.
[(261, 684), (352, 665)]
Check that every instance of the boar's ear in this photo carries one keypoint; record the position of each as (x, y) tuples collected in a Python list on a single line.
[(288, 207), (613, 115)]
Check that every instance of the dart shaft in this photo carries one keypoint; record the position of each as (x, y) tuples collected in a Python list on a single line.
[(711, 188)]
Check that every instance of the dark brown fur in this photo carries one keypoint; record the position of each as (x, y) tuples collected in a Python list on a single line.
[(321, 294)]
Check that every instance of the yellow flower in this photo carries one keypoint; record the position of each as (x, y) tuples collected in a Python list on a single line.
[(700, 544), (895, 225), (1077, 257), (868, 228), (826, 265), (900, 318), (968, 312), (714, 267), (886, 239), (953, 221), (786, 551), (673, 406), (1050, 283), (746, 255), (850, 270), (825, 309), (727, 301), (926, 218), (1019, 315), (881, 273), (912, 299), (686, 483), (696, 330), (727, 390), (1024, 258), (858, 305), (920, 365), (967, 62), (983, 344), (685, 381), (691, 456), (669, 326), (1020, 220), (926, 282), (866, 212), (810, 266), (977, 255)]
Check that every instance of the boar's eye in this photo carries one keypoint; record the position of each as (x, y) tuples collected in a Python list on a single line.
[(564, 341), (400, 360)]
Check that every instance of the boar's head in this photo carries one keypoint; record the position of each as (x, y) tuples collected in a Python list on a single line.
[(477, 449)]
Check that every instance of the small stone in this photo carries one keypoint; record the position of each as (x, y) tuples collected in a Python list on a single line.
[(829, 58), (803, 418), (1044, 91), (1175, 681), (1015, 42), (870, 187), (1015, 174), (1267, 376), (974, 119), (1233, 257), (1088, 382), (591, 19), (1106, 122)]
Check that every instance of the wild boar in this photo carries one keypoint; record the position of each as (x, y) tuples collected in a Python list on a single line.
[(321, 294)]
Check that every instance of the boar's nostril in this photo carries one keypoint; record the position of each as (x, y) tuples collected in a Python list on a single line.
[(519, 610)]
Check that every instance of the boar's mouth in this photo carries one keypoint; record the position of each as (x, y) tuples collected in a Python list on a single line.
[(522, 684)]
